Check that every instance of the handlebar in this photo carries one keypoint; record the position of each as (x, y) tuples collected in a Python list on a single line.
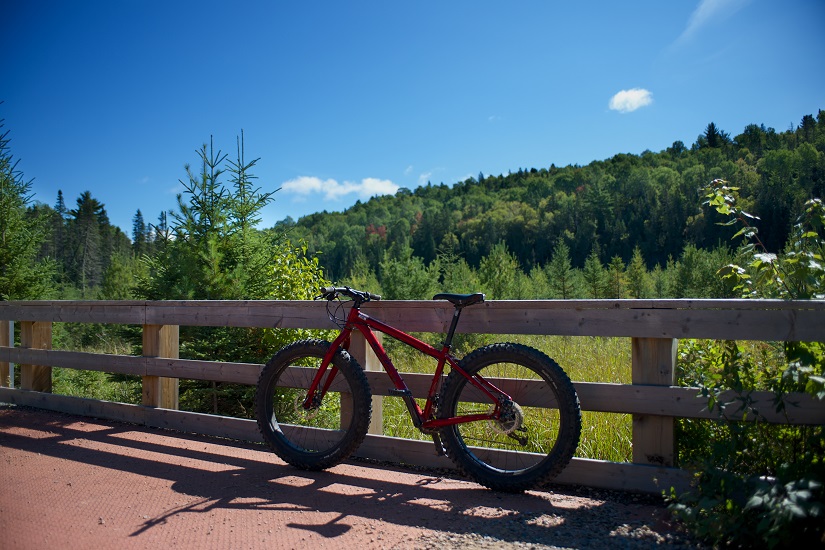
[(332, 292)]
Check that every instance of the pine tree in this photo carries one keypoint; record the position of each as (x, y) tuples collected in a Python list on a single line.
[(637, 275), (617, 285), (497, 273), (22, 275), (560, 273), (140, 235), (87, 249), (594, 275)]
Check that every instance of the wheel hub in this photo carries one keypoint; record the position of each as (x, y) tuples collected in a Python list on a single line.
[(511, 419), (306, 414)]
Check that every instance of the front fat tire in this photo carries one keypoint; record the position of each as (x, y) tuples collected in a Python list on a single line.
[(482, 450), (320, 439)]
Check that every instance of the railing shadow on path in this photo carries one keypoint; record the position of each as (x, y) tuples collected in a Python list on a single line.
[(262, 483)]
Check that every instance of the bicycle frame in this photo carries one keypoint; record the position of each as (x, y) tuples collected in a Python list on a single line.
[(423, 419)]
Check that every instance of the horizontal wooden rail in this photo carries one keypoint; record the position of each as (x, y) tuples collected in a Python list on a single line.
[(654, 326), (767, 320), (594, 396)]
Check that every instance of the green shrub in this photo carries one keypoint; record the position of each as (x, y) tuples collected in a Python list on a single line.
[(759, 485)]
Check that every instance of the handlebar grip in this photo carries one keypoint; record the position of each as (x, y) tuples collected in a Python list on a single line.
[(332, 292), (328, 292)]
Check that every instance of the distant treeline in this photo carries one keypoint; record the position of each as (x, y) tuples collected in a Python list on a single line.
[(641, 210), (650, 202)]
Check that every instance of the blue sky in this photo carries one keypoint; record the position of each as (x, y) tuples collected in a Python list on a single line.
[(343, 100)]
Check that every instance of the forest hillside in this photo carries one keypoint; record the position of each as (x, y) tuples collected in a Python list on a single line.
[(651, 201)]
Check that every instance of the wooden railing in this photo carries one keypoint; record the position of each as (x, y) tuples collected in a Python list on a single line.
[(653, 326)]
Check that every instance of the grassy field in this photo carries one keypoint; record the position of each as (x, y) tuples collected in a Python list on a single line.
[(604, 436)]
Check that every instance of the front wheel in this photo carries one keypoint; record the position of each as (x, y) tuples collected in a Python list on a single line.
[(332, 428), (538, 431)]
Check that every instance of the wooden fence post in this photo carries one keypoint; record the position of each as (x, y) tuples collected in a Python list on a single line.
[(654, 364), (362, 352), (161, 341), (6, 335), (36, 335)]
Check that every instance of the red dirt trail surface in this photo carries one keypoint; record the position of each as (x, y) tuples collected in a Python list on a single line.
[(75, 482)]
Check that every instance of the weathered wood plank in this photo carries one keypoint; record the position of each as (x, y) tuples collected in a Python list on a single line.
[(262, 313), (624, 476), (717, 319), (580, 471), (121, 364), (5, 341), (206, 424), (594, 396), (38, 335), (75, 311), (496, 318), (160, 341), (654, 363), (74, 405), (801, 409), (361, 351), (215, 371)]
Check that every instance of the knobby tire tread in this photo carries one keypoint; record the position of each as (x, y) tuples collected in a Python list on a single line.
[(349, 368), (569, 412)]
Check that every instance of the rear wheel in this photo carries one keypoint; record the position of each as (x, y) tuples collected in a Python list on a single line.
[(330, 430), (538, 431)]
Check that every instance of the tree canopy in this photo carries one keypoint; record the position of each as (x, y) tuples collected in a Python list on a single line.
[(648, 205)]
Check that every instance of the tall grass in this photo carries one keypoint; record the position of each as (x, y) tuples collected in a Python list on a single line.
[(94, 338), (605, 436)]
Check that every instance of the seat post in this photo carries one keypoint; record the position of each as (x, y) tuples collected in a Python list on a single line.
[(449, 340)]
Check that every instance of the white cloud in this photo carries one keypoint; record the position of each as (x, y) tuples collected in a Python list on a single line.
[(708, 12), (627, 101), (305, 186)]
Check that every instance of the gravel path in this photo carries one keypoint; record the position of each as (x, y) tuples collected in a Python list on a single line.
[(76, 482)]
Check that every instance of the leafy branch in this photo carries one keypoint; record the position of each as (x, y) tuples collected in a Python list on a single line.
[(798, 274)]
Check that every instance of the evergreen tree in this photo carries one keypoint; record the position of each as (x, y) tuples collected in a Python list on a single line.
[(405, 277), (140, 235), (617, 285), (216, 251), (457, 275), (560, 273), (594, 276), (59, 235), (498, 273), (714, 137), (22, 274), (637, 275), (87, 250), (213, 250)]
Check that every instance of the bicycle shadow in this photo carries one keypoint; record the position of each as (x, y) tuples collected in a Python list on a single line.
[(245, 476)]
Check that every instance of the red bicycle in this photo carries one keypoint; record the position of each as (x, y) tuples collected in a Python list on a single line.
[(506, 414)]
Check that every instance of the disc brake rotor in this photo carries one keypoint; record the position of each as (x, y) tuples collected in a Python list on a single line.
[(512, 418)]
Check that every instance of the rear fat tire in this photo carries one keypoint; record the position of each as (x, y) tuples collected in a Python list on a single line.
[(335, 441), (508, 471)]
